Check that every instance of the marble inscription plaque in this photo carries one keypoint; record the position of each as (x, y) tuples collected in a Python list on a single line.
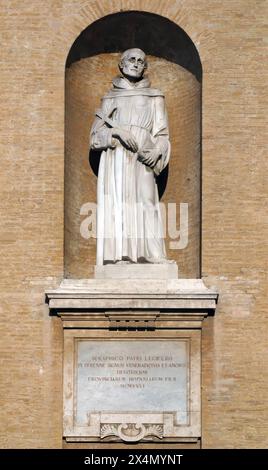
[(131, 376)]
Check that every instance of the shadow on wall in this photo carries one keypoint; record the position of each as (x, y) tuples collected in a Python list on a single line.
[(154, 34)]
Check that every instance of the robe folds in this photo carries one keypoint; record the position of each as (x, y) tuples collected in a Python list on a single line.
[(129, 225)]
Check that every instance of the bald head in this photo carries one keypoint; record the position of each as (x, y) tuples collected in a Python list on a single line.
[(133, 64)]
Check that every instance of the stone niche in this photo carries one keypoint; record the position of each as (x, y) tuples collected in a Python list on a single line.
[(175, 68)]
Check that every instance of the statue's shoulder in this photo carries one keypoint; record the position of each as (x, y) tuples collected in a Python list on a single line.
[(123, 88)]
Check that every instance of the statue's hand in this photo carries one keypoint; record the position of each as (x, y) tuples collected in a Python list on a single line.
[(126, 138), (149, 157)]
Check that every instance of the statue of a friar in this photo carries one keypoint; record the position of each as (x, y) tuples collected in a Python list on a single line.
[(131, 130)]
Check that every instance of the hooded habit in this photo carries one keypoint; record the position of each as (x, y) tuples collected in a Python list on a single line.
[(129, 225)]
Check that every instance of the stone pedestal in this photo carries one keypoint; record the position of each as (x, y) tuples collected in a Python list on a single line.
[(132, 359), (137, 271)]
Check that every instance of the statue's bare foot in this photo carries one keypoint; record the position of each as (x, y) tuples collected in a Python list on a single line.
[(157, 260), (124, 260)]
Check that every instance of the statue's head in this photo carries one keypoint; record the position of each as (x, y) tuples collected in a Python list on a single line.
[(133, 64)]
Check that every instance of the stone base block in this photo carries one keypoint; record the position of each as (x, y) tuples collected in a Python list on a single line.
[(137, 271)]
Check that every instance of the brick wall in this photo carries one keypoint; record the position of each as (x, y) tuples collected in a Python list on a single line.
[(35, 43)]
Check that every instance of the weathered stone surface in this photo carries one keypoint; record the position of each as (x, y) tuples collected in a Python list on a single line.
[(135, 394), (137, 271), (99, 402), (185, 295)]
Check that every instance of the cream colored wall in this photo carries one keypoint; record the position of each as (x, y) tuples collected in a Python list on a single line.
[(35, 43)]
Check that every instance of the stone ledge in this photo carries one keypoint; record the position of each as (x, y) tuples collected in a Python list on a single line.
[(85, 298), (133, 286)]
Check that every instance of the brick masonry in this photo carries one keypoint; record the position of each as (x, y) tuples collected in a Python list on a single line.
[(35, 42)]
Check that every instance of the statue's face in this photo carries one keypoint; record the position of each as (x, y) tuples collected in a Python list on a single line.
[(133, 65)]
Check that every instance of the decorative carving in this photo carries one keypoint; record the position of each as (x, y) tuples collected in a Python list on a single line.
[(108, 430), (132, 432)]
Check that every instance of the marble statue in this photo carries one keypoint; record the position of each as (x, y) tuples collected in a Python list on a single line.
[(131, 131)]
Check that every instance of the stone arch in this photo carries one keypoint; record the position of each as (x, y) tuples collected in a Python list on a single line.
[(175, 67)]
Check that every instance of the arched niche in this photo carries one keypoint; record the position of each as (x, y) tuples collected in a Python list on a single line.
[(175, 68)]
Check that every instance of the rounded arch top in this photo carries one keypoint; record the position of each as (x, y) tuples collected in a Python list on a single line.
[(155, 34)]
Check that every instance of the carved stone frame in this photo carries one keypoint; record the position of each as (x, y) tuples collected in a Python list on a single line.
[(132, 426), (97, 309)]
